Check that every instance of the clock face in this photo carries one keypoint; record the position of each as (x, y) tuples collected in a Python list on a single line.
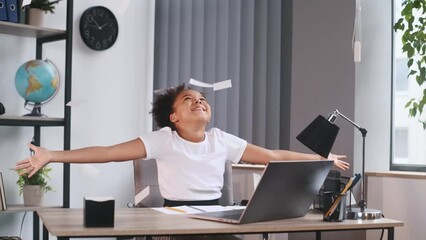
[(98, 28)]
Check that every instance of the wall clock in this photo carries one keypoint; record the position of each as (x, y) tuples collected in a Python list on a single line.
[(98, 28)]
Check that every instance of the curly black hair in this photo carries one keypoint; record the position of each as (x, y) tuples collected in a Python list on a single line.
[(162, 106)]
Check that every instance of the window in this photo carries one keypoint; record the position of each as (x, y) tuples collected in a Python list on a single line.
[(401, 145), (401, 73), (409, 138)]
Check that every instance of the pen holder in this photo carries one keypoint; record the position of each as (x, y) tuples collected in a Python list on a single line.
[(339, 213)]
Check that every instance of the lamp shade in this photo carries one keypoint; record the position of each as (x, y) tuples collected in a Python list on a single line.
[(319, 136)]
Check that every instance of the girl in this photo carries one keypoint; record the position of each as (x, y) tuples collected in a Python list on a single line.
[(190, 159)]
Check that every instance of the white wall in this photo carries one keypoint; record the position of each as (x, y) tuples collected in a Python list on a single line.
[(111, 92), (373, 84), (400, 198), (323, 78), (323, 71)]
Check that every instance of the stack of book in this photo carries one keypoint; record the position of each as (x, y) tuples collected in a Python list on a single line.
[(13, 11), (3, 205)]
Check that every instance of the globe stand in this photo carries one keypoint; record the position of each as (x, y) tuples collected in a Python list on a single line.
[(35, 112)]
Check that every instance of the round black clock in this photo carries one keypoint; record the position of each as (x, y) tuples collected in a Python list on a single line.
[(98, 28)]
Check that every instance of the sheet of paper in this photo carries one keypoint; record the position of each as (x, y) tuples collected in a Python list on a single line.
[(216, 208), (216, 86), (177, 210)]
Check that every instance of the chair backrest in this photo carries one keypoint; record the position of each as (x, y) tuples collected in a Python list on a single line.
[(146, 184)]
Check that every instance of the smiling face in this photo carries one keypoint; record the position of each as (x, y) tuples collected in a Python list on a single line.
[(190, 107)]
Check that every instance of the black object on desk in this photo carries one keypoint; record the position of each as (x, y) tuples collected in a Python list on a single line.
[(2, 109), (339, 213), (99, 212)]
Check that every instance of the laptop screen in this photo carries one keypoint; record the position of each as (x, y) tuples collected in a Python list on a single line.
[(286, 190)]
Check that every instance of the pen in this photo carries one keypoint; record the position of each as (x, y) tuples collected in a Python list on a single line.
[(336, 202), (356, 179), (175, 209)]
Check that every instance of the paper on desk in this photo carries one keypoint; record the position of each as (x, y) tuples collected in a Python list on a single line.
[(216, 86), (217, 208), (195, 209)]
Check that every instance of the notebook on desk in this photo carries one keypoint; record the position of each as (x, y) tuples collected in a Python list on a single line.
[(286, 190)]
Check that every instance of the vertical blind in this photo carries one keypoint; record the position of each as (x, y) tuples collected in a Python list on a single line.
[(216, 40)]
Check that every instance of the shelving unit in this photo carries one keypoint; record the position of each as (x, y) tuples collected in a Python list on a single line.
[(45, 35)]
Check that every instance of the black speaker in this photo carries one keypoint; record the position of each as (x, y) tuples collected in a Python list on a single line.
[(99, 212)]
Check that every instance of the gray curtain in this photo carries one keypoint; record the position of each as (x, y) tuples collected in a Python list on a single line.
[(241, 40)]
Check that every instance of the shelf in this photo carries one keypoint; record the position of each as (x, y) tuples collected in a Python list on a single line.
[(24, 30), (14, 208), (43, 35), (31, 121)]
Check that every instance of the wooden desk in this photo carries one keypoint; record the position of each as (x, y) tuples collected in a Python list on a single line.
[(129, 222)]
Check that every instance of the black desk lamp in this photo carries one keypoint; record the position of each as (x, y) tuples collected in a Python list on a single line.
[(319, 136)]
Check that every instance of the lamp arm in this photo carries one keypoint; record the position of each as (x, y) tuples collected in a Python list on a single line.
[(333, 116), (336, 113)]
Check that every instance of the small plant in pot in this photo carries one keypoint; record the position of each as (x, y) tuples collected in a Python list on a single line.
[(44, 5), (34, 187), (37, 9)]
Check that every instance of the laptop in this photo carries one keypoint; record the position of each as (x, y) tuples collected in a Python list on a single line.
[(285, 190)]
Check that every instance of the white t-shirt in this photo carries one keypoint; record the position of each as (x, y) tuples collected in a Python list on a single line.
[(188, 170)]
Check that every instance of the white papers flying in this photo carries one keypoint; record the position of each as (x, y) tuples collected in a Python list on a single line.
[(216, 86)]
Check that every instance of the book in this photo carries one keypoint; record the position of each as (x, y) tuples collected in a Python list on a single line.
[(12, 10), (3, 10), (3, 205)]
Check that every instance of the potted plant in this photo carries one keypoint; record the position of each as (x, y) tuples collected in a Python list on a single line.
[(34, 187), (412, 24), (44, 5), (37, 9)]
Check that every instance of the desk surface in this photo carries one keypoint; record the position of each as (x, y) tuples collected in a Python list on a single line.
[(144, 221)]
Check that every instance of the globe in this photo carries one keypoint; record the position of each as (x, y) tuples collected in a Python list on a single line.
[(37, 82)]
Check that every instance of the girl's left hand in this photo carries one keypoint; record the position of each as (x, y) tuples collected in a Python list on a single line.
[(338, 161)]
